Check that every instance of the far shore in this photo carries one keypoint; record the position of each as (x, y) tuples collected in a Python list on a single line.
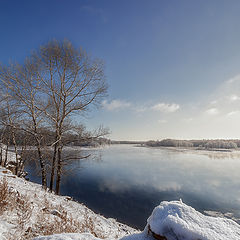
[(217, 151), (194, 148)]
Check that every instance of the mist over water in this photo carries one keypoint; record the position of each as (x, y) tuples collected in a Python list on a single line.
[(126, 182)]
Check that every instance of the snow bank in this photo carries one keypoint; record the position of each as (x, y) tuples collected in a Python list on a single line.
[(177, 221)]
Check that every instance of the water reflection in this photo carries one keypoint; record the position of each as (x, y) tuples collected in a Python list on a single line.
[(126, 182)]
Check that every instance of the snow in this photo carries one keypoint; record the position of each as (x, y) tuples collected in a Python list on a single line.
[(178, 221)]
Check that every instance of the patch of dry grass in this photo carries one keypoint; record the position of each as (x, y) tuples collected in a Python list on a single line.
[(63, 222), (45, 219)]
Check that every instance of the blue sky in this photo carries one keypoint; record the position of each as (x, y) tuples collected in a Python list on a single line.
[(172, 66)]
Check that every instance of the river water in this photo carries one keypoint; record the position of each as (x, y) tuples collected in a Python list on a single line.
[(126, 182)]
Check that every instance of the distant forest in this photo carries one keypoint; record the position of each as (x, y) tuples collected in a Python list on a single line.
[(200, 144)]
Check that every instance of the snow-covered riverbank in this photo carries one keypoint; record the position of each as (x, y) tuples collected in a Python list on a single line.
[(41, 213)]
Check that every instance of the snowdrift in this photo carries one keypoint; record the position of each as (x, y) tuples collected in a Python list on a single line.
[(177, 221)]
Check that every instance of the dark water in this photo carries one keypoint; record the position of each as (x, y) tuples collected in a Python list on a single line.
[(127, 182)]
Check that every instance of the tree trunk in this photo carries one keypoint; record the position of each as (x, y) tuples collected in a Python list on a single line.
[(6, 156), (1, 157), (59, 170), (53, 168), (22, 159), (16, 153), (43, 170)]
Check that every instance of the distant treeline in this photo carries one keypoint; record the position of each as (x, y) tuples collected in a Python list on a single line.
[(126, 142), (201, 144)]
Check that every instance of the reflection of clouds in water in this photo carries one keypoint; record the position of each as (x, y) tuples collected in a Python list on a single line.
[(116, 185), (169, 186), (127, 168), (214, 183)]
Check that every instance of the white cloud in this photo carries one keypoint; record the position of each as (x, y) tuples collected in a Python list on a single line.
[(234, 98), (232, 113), (115, 105), (212, 111), (161, 121), (141, 109), (234, 79), (166, 107), (188, 119), (214, 102)]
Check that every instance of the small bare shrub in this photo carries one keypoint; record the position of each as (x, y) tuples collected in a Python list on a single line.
[(50, 219), (89, 225), (24, 209), (4, 194), (55, 224), (59, 221)]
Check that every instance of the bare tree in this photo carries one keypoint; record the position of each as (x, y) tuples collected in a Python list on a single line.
[(23, 86), (56, 82), (72, 83)]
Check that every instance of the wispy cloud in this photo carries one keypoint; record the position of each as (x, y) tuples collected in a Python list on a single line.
[(162, 121), (213, 102), (188, 120), (119, 104), (233, 113), (233, 79), (140, 109), (166, 107), (212, 111), (234, 98), (115, 105)]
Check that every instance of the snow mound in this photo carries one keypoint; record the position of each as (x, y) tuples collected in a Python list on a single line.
[(178, 221), (68, 236)]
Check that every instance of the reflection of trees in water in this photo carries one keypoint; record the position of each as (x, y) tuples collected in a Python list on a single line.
[(73, 160), (223, 155)]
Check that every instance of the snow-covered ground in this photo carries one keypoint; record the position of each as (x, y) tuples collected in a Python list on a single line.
[(44, 211), (29, 212)]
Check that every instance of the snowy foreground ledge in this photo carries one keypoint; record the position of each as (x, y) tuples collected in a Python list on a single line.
[(174, 221)]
